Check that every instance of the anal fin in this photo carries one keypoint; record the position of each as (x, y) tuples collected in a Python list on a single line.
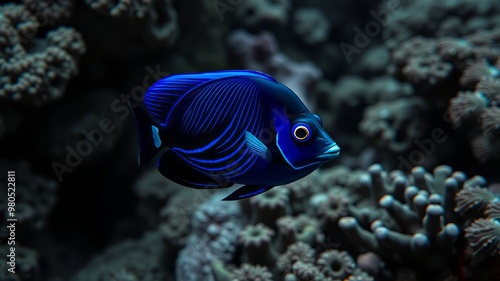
[(175, 169), (247, 191)]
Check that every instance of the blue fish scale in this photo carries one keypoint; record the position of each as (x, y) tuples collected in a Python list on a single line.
[(162, 96), (234, 101)]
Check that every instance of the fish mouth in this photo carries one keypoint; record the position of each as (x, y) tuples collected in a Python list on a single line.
[(329, 154)]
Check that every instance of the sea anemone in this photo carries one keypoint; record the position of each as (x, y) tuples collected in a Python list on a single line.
[(336, 264), (298, 251), (429, 69), (301, 228), (490, 119), (307, 271), (472, 202), (270, 205), (465, 105), (477, 71), (493, 210), (484, 238), (485, 147), (333, 208), (455, 48), (490, 87), (256, 241), (255, 235), (249, 272), (360, 275)]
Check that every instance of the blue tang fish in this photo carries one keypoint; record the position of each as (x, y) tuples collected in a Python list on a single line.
[(215, 129)]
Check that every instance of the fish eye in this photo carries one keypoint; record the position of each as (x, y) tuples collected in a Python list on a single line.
[(319, 119), (301, 132)]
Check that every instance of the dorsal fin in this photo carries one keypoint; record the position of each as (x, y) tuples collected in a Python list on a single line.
[(160, 97)]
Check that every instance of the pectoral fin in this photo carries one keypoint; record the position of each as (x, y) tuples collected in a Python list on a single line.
[(257, 147), (247, 191)]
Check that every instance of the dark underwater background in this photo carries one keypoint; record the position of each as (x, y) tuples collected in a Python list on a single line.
[(410, 91)]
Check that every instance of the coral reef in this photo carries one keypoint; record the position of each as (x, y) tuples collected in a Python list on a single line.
[(423, 205), (262, 12), (35, 68), (50, 12), (256, 241), (484, 236), (416, 92), (215, 229), (261, 53), (249, 272), (125, 261), (392, 124), (311, 25), (405, 24), (129, 28), (477, 111)]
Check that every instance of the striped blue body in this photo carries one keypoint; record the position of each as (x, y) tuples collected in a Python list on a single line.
[(215, 129)]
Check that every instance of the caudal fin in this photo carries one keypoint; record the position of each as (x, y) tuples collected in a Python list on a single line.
[(150, 143)]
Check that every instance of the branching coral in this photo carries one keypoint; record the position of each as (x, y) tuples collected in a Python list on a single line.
[(421, 204), (35, 70)]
